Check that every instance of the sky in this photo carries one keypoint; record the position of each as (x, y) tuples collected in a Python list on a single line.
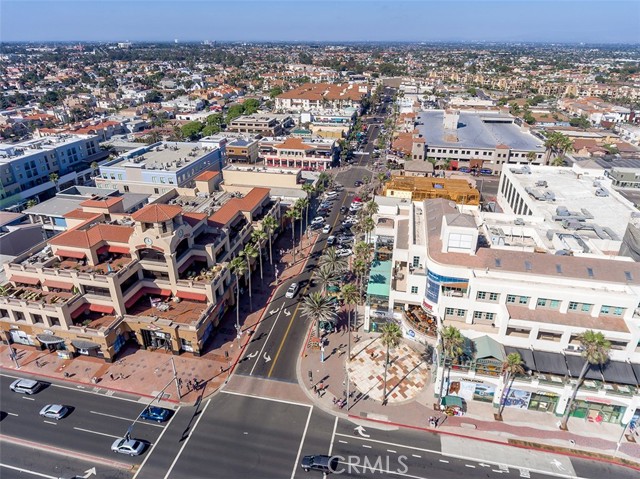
[(549, 21)]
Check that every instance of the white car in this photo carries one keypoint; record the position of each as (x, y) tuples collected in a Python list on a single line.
[(326, 229), (344, 252), (331, 240), (318, 220), (54, 411), (25, 386), (133, 447), (291, 292), (349, 221)]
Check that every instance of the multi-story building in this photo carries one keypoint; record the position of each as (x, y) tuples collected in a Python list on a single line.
[(329, 124), (159, 168), (416, 188), (316, 154), (261, 124), (158, 278), (242, 151), (321, 97), (283, 184), (529, 280), (474, 140), (25, 167)]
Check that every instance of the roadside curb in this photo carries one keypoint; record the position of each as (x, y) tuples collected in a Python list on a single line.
[(65, 452)]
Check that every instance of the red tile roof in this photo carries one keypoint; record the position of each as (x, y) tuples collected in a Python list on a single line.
[(292, 143), (232, 207), (192, 218), (207, 175), (156, 213), (102, 202), (79, 214), (87, 238)]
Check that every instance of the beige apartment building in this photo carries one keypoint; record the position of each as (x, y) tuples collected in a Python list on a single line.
[(157, 278)]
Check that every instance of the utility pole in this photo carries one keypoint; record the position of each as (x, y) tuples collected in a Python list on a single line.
[(175, 378)]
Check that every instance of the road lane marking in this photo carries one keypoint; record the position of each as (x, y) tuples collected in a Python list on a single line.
[(391, 450), (333, 435), (367, 446), (12, 414), (457, 456), (27, 471), (146, 456), (444, 460), (148, 423), (304, 435), (284, 401), (28, 399), (343, 442), (264, 343), (419, 456), (186, 441), (98, 433), (51, 422), (469, 465)]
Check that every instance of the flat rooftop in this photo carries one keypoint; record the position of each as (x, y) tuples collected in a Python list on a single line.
[(10, 151), (476, 130), (260, 169), (170, 156), (576, 194)]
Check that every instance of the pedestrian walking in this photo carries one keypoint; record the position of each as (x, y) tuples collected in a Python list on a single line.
[(37, 363), (221, 369), (111, 376), (315, 388), (189, 385)]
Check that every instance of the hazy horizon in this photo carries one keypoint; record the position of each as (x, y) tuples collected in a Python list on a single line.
[(308, 21)]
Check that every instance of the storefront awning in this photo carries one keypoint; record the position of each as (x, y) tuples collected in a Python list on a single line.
[(101, 308), (49, 339), (24, 279), (455, 401), (79, 311), (193, 296), (58, 284), (550, 363), (84, 344), (525, 354), (118, 249), (70, 254), (132, 300), (618, 372), (158, 291), (576, 362)]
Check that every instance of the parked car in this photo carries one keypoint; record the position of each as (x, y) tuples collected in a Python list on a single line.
[(344, 252), (158, 414), (486, 171), (318, 220), (25, 386), (133, 447), (326, 229), (464, 169), (322, 463), (291, 292), (357, 183), (349, 222), (54, 411), (343, 209), (331, 240)]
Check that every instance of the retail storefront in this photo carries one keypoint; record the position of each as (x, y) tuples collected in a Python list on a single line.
[(598, 411)]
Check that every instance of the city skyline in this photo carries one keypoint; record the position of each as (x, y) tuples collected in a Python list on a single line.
[(313, 21)]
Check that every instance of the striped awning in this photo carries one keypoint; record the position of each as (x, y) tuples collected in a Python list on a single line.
[(58, 284), (16, 278), (70, 254), (193, 296)]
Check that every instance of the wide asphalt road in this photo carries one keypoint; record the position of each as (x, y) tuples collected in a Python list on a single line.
[(95, 422)]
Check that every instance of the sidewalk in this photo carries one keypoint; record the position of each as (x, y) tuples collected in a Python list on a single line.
[(411, 400), (149, 374)]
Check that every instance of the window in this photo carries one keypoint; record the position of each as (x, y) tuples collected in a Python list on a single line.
[(414, 290), (490, 316), (605, 310), (481, 295), (493, 296), (53, 320), (554, 304), (477, 315), (524, 300), (37, 318), (511, 298), (416, 261), (586, 307), (618, 311), (461, 312), (573, 306), (549, 336), (542, 302), (448, 311)]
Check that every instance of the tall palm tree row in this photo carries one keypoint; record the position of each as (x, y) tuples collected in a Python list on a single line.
[(291, 215), (318, 307), (351, 298), (269, 225), (237, 267), (259, 237), (390, 338), (452, 347), (303, 205), (331, 259), (511, 367), (595, 352), (326, 276), (249, 253)]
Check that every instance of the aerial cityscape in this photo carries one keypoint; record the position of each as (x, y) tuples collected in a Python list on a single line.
[(291, 239)]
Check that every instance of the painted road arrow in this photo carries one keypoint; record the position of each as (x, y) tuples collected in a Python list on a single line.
[(266, 357), (361, 430)]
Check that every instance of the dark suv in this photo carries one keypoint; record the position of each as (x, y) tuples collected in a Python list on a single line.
[(322, 463)]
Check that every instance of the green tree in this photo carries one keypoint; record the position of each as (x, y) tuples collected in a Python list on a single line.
[(31, 203), (351, 298), (318, 307), (237, 267), (192, 129), (259, 237), (595, 351), (511, 367), (269, 224), (250, 106), (275, 91), (452, 348), (580, 122), (391, 335), (292, 215), (326, 276), (153, 96), (249, 253), (234, 112), (331, 259), (55, 179)]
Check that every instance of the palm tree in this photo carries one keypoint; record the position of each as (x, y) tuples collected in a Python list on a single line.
[(326, 276), (391, 335), (350, 297), (55, 178), (94, 167), (372, 207), (303, 205), (249, 252), (258, 237), (360, 269), (298, 216), (291, 214), (32, 202), (318, 307), (270, 224), (595, 352), (331, 259), (368, 225), (531, 156), (452, 347), (237, 267), (511, 367)]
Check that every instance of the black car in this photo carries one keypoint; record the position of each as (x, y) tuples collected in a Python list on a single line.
[(357, 183), (343, 209), (322, 463)]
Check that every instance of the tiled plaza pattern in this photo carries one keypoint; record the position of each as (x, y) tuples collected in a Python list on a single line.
[(407, 373)]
